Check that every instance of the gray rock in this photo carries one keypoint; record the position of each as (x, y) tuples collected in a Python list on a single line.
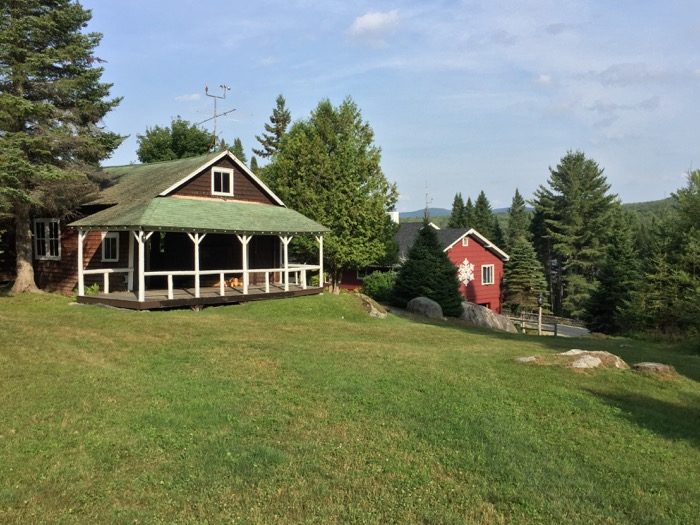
[(426, 307), (654, 368), (574, 351), (480, 316), (587, 361), (372, 307), (607, 359), (528, 359)]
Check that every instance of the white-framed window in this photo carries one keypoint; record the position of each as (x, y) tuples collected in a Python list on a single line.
[(222, 181), (487, 274), (465, 240), (110, 246), (47, 239)]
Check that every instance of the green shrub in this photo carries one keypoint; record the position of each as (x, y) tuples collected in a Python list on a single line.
[(379, 285)]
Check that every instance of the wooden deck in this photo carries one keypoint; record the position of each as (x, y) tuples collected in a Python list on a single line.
[(183, 297)]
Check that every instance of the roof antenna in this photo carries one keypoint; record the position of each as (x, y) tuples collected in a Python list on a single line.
[(224, 89), (428, 201)]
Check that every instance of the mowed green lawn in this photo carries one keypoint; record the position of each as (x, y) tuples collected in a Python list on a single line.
[(308, 411)]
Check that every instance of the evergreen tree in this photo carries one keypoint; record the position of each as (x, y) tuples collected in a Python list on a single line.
[(254, 165), (274, 131), (238, 151), (498, 237), (483, 219), (572, 214), (518, 219), (51, 106), (457, 217), (469, 213), (428, 272), (609, 309), (328, 168), (177, 141), (523, 279)]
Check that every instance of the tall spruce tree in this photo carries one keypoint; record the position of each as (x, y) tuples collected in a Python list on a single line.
[(274, 131), (254, 165), (51, 105), (428, 272), (238, 151), (610, 306), (328, 168), (469, 213), (483, 219), (518, 220), (523, 279), (572, 222), (457, 217)]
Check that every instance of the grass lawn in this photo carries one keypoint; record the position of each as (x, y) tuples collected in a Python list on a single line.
[(307, 410)]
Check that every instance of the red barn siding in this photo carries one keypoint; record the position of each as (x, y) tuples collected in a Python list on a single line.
[(484, 294), (244, 188)]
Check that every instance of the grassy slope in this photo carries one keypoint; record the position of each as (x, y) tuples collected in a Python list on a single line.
[(306, 410)]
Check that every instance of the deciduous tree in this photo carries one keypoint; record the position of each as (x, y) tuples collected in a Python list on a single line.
[(328, 168), (179, 140), (51, 107)]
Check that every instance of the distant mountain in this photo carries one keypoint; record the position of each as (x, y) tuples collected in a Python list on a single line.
[(434, 212)]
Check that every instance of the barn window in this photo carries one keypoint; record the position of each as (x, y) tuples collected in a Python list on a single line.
[(487, 274), (110, 247), (465, 241), (222, 181), (47, 239)]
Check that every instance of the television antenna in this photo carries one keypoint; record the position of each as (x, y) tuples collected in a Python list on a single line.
[(224, 90), (428, 201)]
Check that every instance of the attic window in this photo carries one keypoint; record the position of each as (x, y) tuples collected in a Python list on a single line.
[(222, 181), (465, 241)]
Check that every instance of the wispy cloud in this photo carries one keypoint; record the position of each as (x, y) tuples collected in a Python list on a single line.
[(373, 26), (188, 98), (543, 80)]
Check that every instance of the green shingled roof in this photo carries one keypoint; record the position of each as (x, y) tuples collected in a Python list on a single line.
[(195, 215), (146, 181)]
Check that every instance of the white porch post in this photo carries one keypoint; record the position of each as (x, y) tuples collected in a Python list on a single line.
[(196, 239), (319, 238), (245, 239), (285, 243), (142, 266), (130, 263), (81, 275)]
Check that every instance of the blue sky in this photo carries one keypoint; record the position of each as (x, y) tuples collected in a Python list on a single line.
[(462, 96)]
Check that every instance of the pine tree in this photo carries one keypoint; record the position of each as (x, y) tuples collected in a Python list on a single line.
[(274, 131), (457, 218), (469, 213), (572, 216), (238, 151), (428, 272), (254, 165), (609, 309), (51, 106), (518, 220), (329, 170), (483, 219), (523, 279)]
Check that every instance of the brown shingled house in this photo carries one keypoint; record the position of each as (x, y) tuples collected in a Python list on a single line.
[(201, 230)]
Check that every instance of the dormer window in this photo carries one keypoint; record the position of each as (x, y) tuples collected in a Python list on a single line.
[(222, 181)]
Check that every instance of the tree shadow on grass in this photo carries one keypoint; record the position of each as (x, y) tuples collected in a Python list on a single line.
[(666, 419)]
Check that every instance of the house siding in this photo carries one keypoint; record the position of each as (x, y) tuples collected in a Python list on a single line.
[(244, 188), (484, 294), (62, 275)]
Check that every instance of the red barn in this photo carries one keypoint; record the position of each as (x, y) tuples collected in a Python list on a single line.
[(479, 262)]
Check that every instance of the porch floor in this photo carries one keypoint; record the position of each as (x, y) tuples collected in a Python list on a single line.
[(209, 295)]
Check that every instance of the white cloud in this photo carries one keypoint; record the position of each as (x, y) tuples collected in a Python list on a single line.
[(188, 98), (544, 80), (374, 25)]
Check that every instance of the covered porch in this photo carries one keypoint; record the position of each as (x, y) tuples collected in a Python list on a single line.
[(207, 261)]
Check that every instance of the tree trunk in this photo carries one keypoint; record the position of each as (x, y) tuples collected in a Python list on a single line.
[(24, 282), (335, 274)]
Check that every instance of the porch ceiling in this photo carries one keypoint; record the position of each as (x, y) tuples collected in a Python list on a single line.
[(203, 216)]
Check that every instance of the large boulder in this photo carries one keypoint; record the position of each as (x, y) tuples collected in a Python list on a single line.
[(372, 307), (654, 369), (477, 315), (426, 307), (578, 359)]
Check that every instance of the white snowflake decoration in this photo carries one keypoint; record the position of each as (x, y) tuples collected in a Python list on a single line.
[(465, 272)]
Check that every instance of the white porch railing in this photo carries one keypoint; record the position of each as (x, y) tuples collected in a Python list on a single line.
[(299, 271), (105, 275)]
